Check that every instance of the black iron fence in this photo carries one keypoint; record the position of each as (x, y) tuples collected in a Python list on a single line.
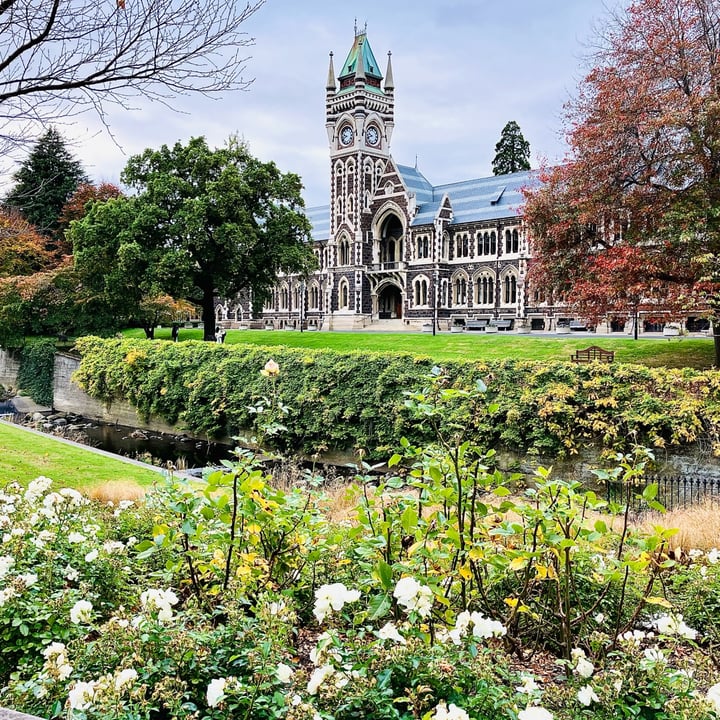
[(672, 492)]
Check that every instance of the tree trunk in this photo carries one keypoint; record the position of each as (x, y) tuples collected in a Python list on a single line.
[(208, 314), (716, 341), (149, 332)]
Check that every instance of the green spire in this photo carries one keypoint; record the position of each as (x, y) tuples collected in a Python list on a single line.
[(368, 65)]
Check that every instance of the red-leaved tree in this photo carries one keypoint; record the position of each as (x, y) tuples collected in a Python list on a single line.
[(78, 205), (22, 247), (641, 185)]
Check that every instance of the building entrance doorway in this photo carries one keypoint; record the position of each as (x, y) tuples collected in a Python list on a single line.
[(390, 303)]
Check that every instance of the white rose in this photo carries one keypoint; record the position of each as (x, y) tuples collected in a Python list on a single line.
[(216, 691)]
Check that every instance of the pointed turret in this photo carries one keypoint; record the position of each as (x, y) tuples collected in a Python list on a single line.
[(360, 64), (389, 82), (331, 84), (360, 69)]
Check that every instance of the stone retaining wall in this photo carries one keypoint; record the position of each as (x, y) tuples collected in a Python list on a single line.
[(68, 397), (9, 368)]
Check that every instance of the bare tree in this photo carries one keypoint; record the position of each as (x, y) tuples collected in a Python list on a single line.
[(63, 57)]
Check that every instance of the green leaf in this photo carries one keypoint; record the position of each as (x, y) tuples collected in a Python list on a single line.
[(409, 520), (435, 474), (650, 492), (379, 606), (385, 574)]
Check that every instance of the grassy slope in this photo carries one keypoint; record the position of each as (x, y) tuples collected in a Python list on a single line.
[(676, 352), (24, 456)]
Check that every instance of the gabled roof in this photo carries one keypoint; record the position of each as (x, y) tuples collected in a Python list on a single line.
[(416, 182), (369, 63)]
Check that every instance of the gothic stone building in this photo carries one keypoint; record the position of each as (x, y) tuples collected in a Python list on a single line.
[(395, 251)]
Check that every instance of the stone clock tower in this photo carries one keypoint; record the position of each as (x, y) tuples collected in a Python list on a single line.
[(359, 120)]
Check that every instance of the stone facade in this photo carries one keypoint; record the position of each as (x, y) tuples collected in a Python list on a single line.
[(396, 252)]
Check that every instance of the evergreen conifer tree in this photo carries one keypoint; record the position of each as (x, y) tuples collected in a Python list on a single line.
[(45, 181), (512, 152)]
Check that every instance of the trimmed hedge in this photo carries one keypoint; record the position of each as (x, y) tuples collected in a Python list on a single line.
[(347, 401)]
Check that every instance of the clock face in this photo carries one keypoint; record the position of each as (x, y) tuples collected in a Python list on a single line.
[(372, 136), (346, 135)]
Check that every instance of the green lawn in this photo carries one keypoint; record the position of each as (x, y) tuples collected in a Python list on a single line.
[(675, 352), (25, 456)]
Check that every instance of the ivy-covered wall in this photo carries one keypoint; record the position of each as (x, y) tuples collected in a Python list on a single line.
[(35, 372), (356, 400)]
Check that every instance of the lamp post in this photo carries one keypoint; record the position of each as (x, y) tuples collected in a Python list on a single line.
[(302, 304), (436, 298)]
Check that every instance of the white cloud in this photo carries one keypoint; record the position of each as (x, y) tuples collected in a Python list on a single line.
[(461, 69)]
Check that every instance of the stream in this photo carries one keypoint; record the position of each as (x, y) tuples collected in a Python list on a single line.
[(147, 446)]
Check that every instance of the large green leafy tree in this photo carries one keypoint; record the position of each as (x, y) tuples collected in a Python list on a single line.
[(115, 270), (204, 223), (512, 152), (44, 182)]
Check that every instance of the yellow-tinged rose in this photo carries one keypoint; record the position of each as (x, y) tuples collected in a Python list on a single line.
[(271, 369)]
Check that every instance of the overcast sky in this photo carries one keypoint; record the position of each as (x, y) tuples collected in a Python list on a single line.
[(462, 69)]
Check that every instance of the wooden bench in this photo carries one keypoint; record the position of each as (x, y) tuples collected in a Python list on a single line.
[(592, 354)]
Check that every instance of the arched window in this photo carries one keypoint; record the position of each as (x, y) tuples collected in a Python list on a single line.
[(485, 290), (343, 295), (339, 210), (422, 247), (510, 289), (462, 246), (512, 241), (296, 298), (460, 290), (420, 294), (284, 298), (445, 246), (271, 302), (369, 185), (314, 297), (344, 252)]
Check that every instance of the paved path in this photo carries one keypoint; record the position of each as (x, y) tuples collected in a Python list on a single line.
[(25, 404)]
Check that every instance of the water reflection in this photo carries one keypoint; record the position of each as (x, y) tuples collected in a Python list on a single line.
[(156, 448)]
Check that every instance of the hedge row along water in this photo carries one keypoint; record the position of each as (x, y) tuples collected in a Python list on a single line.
[(356, 400)]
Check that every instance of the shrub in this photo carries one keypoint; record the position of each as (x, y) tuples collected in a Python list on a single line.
[(356, 401), (245, 602)]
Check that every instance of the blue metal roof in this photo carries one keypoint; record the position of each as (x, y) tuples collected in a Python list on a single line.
[(479, 200), (417, 183), (319, 217)]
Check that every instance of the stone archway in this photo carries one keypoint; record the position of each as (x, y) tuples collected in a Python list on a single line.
[(390, 302)]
